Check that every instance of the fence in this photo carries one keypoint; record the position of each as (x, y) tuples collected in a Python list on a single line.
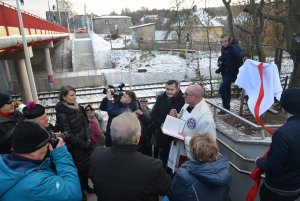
[(174, 44)]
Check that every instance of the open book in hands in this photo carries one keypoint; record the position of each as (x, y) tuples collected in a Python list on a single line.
[(173, 127)]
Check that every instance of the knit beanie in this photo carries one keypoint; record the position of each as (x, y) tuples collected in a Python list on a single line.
[(33, 110), (4, 99), (28, 137), (290, 100)]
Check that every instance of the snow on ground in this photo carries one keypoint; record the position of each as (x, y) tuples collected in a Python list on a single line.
[(160, 65)]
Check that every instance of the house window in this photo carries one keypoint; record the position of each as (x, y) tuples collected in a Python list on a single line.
[(106, 21), (126, 21)]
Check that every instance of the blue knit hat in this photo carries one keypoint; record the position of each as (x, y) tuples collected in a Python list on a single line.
[(290, 100), (5, 99)]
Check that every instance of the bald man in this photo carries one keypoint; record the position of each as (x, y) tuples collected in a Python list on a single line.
[(120, 172), (198, 117)]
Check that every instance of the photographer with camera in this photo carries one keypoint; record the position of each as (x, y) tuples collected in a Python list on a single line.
[(232, 57), (26, 173), (115, 104)]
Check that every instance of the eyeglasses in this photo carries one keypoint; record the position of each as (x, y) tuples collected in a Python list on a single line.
[(88, 110), (187, 94)]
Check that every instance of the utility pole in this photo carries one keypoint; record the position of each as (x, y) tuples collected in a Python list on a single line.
[(74, 26), (68, 24), (27, 59), (49, 15), (92, 22), (186, 55), (86, 19), (57, 7)]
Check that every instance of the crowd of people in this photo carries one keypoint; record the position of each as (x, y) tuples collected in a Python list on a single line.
[(132, 158)]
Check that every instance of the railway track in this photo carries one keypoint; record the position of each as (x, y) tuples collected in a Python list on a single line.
[(93, 96)]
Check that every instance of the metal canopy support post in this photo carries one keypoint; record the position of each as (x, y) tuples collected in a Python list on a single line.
[(7, 76), (27, 58), (22, 76), (57, 5), (49, 67)]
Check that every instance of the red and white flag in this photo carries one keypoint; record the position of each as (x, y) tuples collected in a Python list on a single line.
[(261, 83)]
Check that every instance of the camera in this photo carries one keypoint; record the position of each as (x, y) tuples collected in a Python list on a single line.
[(220, 66), (53, 139), (117, 92), (110, 87)]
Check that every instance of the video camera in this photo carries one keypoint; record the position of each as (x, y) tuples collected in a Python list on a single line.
[(117, 92), (220, 66)]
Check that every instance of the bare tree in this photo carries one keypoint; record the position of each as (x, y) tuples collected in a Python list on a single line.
[(289, 16), (279, 34), (256, 31), (126, 11), (179, 14), (291, 24), (229, 16), (66, 5)]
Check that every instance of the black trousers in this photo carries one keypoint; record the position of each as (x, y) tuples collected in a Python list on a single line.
[(267, 195), (225, 91), (84, 178)]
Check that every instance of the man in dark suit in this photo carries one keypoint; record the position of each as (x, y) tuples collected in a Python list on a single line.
[(172, 98), (120, 172)]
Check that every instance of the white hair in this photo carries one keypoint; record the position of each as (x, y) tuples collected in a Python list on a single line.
[(125, 129)]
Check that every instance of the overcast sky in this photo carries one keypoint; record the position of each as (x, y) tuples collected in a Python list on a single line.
[(104, 7)]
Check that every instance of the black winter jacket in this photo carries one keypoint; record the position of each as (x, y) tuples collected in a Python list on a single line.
[(282, 165), (121, 172), (74, 123), (158, 115), (7, 127), (231, 58), (145, 121), (114, 109)]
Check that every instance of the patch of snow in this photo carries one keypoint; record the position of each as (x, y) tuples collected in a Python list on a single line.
[(112, 17), (160, 35), (141, 25), (101, 49), (207, 20), (160, 65)]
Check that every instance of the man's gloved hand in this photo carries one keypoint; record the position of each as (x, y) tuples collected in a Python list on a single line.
[(218, 71)]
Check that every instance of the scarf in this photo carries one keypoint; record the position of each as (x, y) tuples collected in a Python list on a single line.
[(73, 107), (95, 131), (6, 115)]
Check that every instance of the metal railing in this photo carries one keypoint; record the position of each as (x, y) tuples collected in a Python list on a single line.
[(243, 120)]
